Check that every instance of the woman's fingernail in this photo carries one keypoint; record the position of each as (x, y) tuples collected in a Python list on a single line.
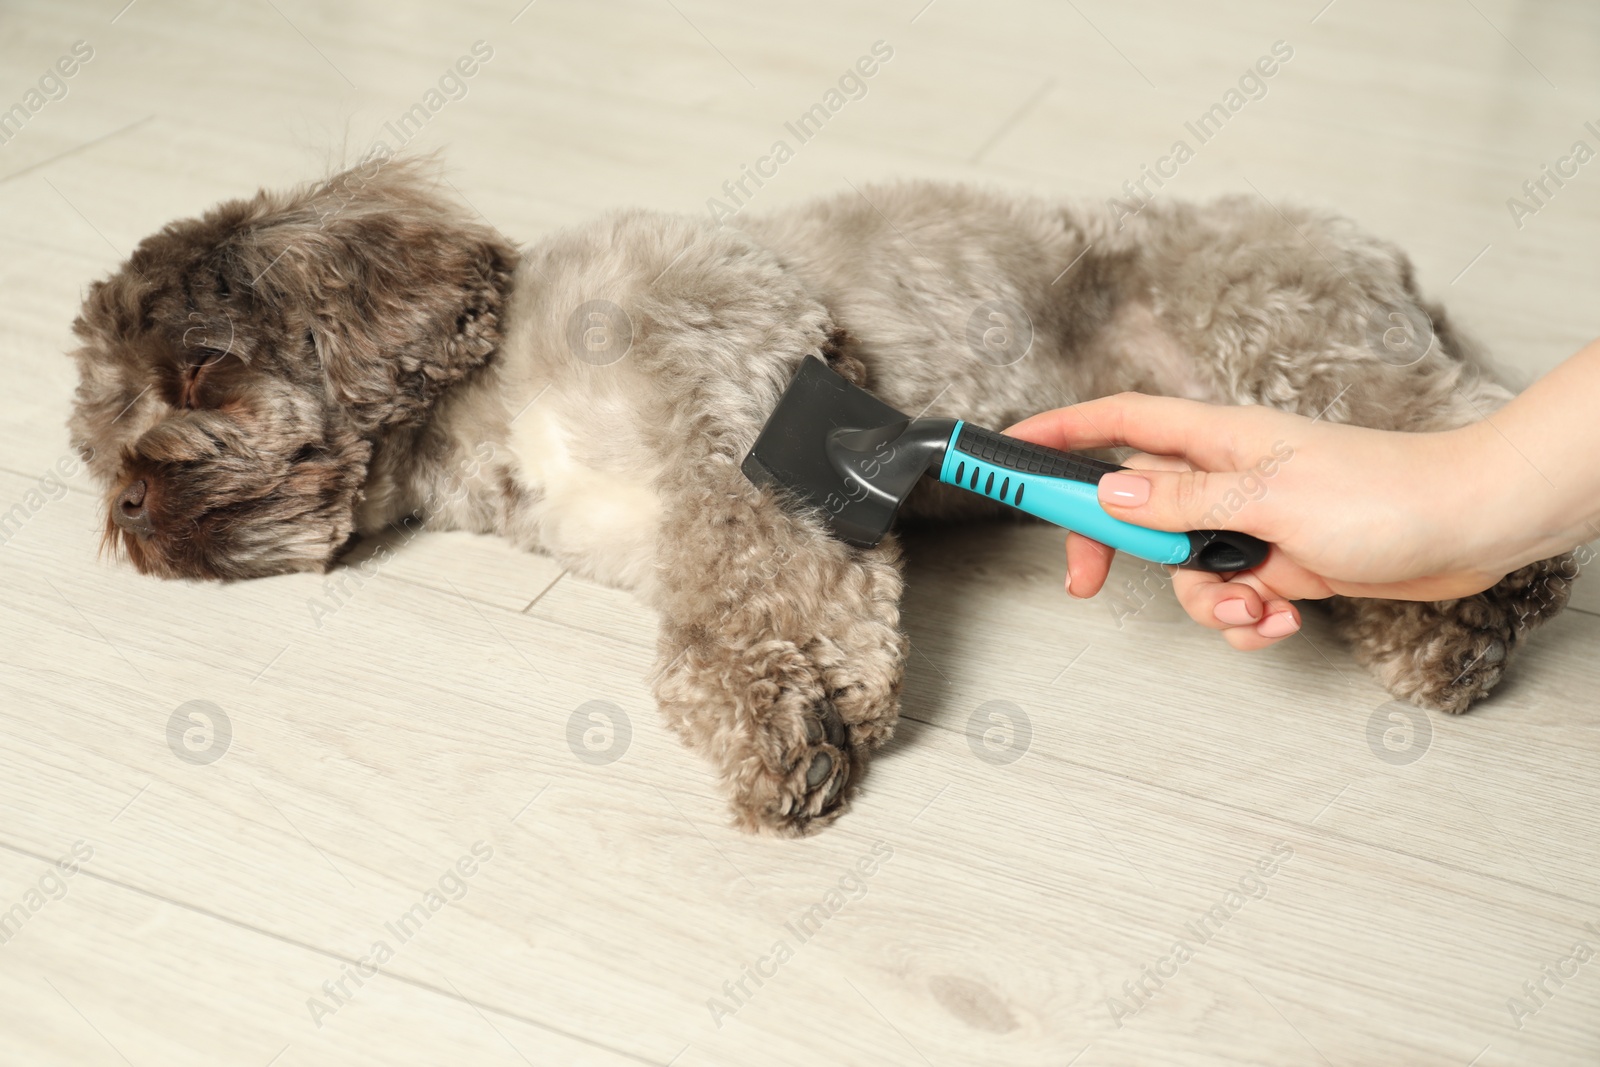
[(1129, 490), (1234, 613), (1280, 625)]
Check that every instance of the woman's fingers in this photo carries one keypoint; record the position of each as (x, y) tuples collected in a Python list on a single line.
[(1249, 613), (1167, 426), (1224, 459), (1282, 620), (1162, 498), (1144, 461), (1218, 604), (1088, 562)]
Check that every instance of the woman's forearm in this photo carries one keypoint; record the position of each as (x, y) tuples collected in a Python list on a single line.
[(1531, 471)]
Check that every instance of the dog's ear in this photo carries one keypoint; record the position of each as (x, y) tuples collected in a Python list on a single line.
[(402, 293)]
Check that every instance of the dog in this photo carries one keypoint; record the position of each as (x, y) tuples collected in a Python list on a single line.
[(263, 384)]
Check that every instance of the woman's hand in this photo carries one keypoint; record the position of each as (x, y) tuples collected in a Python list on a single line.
[(1349, 511)]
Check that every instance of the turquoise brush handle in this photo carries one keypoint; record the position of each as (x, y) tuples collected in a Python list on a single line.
[(1059, 487)]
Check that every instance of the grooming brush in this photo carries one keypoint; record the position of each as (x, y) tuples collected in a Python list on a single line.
[(841, 449)]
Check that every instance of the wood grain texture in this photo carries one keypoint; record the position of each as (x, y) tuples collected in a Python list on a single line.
[(1076, 786)]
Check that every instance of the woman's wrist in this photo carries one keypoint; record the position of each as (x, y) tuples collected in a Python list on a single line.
[(1510, 514)]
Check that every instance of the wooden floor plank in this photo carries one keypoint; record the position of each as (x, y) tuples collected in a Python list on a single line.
[(102, 974)]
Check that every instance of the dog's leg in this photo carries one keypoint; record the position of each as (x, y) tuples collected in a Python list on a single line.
[(1449, 654), (780, 646)]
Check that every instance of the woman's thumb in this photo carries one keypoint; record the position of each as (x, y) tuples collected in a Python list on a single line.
[(1173, 500)]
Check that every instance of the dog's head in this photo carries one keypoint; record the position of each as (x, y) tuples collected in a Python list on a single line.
[(238, 371)]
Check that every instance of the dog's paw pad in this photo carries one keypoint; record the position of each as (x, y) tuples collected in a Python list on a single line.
[(817, 773), (826, 725), (809, 788)]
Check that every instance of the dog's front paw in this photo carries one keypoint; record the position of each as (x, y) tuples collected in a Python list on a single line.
[(1446, 656), (788, 725)]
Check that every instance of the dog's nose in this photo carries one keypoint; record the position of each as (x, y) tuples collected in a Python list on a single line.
[(128, 510)]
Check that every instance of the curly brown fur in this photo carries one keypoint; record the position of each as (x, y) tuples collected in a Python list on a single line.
[(782, 647), (261, 383)]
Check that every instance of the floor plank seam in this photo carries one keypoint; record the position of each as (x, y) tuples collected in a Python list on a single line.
[(1240, 809), (546, 589), (547, 619), (76, 149), (423, 584), (628, 642), (284, 939)]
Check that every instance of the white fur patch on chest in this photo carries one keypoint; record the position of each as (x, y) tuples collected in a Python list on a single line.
[(600, 523)]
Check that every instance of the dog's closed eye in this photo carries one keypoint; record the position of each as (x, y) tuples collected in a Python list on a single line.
[(201, 360)]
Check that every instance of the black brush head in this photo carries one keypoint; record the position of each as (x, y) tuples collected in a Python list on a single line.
[(841, 449)]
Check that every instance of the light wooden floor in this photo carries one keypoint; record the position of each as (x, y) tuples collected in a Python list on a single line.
[(1414, 889)]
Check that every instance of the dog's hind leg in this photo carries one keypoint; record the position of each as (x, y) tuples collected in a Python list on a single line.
[(1447, 655), (780, 648)]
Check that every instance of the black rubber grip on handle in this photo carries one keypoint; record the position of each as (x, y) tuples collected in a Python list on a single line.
[(1012, 454), (1224, 551)]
